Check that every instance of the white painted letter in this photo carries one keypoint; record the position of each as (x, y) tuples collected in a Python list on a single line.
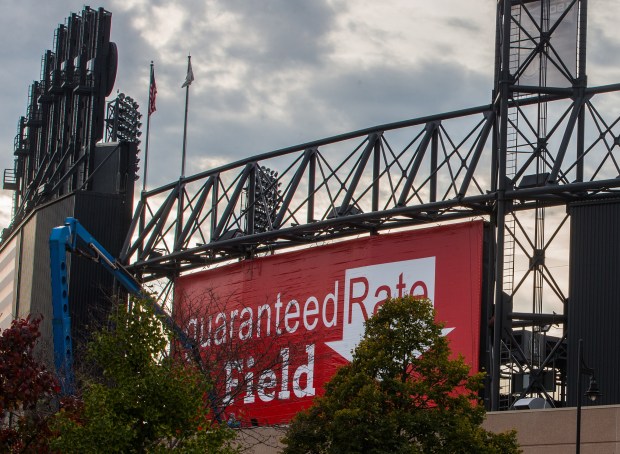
[(249, 383), (334, 298), (308, 370), (284, 392), (220, 331), (278, 306), (247, 324), (288, 315), (267, 380), (231, 383), (310, 325)]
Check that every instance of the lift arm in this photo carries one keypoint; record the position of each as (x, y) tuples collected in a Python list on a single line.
[(74, 238)]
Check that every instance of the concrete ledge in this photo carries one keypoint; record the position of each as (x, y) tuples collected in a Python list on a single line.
[(548, 431), (553, 430)]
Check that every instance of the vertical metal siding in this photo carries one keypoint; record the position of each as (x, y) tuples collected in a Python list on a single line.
[(486, 308), (8, 281), (594, 297), (107, 218)]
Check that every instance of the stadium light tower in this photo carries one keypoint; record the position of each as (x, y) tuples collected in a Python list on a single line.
[(123, 120), (267, 199)]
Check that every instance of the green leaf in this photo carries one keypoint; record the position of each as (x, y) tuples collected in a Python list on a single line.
[(143, 400), (401, 393)]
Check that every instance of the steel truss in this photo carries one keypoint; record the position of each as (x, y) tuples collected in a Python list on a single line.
[(430, 169), (423, 171)]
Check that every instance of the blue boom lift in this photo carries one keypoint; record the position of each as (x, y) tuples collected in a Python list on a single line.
[(74, 238)]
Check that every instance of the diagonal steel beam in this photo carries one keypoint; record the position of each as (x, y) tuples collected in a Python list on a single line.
[(123, 256), (473, 164), (420, 152), (233, 200), (568, 132), (299, 173), (206, 189), (370, 146), (159, 222), (156, 223)]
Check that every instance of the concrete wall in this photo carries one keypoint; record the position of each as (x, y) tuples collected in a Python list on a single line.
[(261, 440), (549, 431), (553, 431)]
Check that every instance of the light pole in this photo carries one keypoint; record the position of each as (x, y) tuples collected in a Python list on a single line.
[(593, 391)]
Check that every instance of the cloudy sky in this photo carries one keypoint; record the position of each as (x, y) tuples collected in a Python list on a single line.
[(274, 73)]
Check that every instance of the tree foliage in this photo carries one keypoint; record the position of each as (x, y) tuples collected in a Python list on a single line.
[(23, 379), (25, 383), (143, 400), (401, 393)]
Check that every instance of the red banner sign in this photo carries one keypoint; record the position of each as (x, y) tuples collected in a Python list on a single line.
[(277, 328)]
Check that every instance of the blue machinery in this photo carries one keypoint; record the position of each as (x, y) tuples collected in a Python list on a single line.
[(74, 238)]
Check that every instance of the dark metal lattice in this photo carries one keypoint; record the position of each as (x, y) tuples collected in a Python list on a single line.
[(64, 119), (440, 168)]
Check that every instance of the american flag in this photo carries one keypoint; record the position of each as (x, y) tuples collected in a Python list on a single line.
[(152, 92)]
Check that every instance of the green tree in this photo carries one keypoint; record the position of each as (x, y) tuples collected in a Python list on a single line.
[(143, 400), (392, 399)]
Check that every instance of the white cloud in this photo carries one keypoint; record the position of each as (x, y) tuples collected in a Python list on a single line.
[(275, 73), (162, 25)]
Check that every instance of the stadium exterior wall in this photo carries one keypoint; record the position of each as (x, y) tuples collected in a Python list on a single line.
[(593, 311), (106, 216), (548, 431)]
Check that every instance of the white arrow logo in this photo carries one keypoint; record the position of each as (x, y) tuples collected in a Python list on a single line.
[(367, 287)]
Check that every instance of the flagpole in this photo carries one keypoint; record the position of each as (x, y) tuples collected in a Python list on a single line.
[(150, 109), (148, 127), (187, 84), (178, 240)]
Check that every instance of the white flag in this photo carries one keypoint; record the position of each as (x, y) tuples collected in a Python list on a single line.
[(189, 78)]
